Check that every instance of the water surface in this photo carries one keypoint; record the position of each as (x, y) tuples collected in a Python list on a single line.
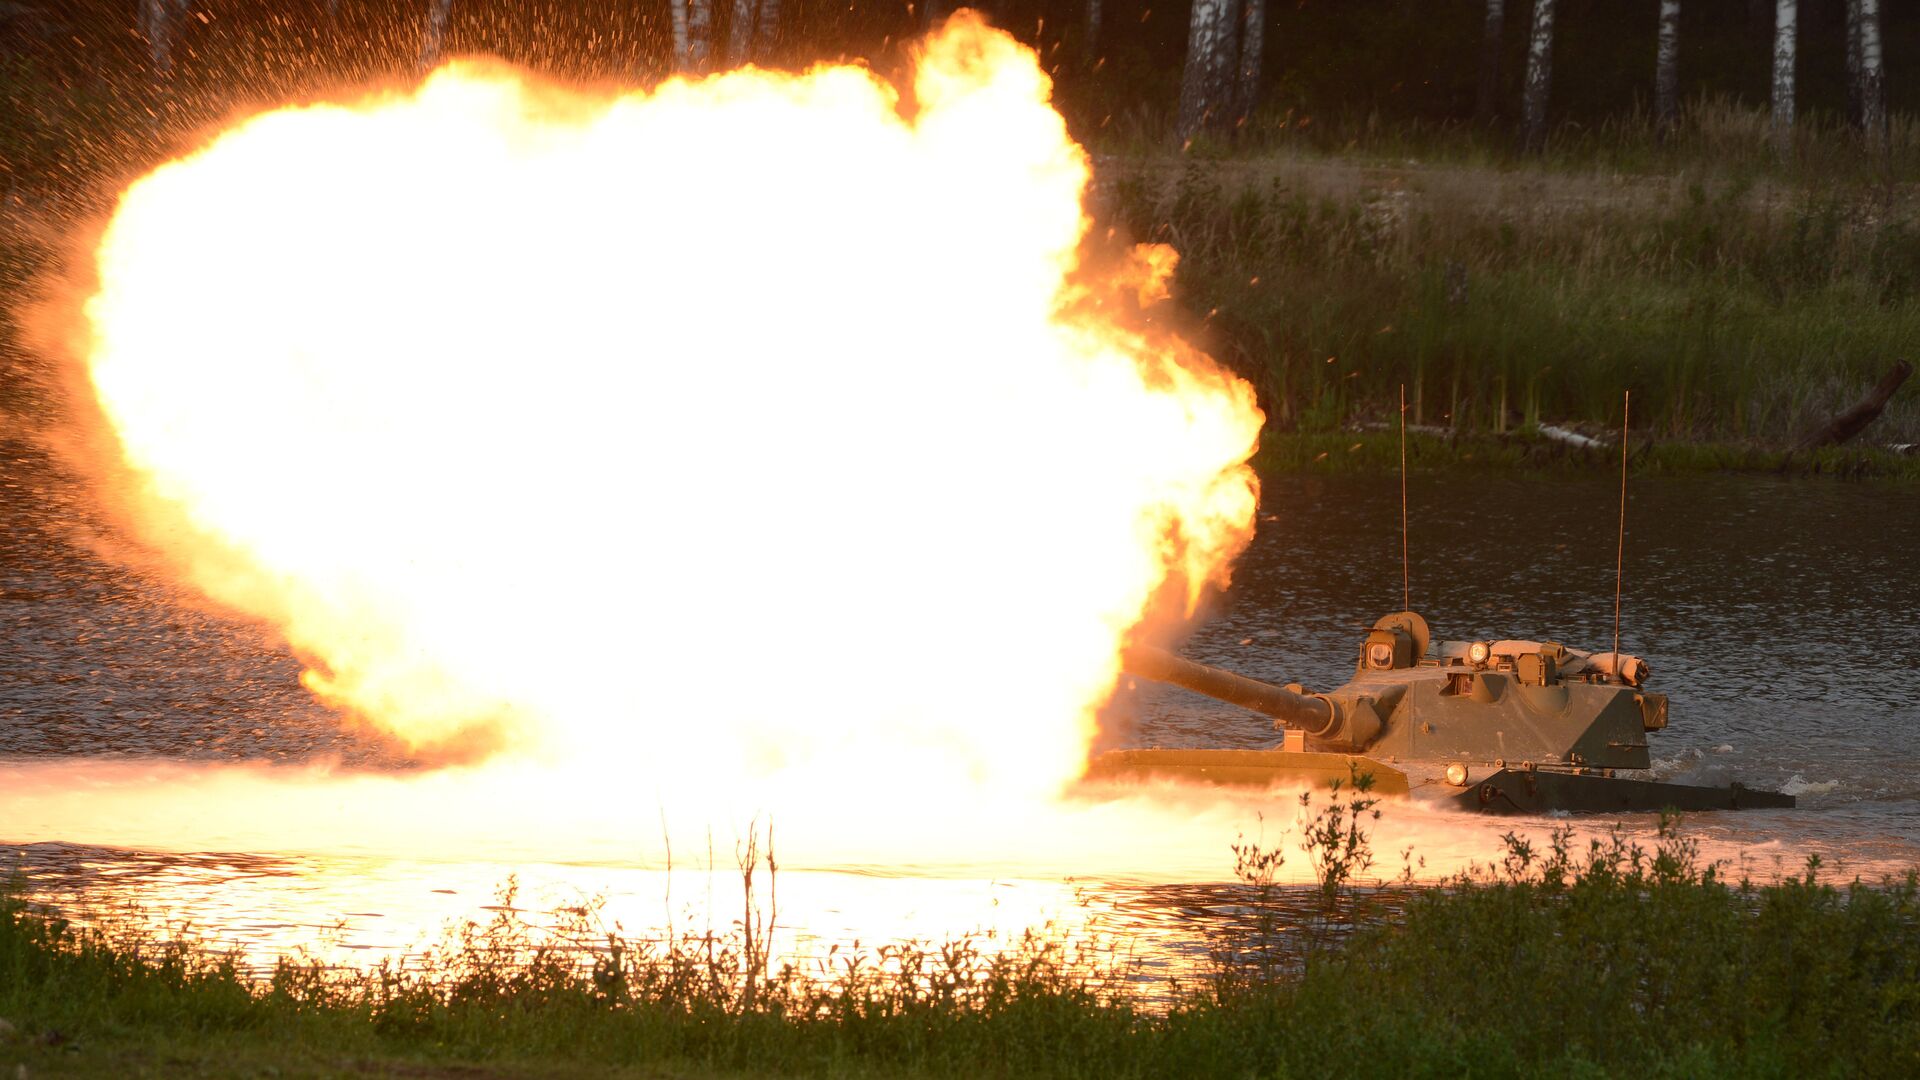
[(1779, 615)]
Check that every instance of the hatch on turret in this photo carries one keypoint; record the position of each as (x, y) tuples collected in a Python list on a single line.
[(1396, 641)]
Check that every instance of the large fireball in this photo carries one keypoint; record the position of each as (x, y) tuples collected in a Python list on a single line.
[(748, 437)]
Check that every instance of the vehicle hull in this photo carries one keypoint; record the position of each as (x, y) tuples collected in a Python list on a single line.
[(1488, 789)]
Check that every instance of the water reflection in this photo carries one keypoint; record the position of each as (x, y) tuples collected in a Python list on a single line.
[(348, 913), (1780, 616)]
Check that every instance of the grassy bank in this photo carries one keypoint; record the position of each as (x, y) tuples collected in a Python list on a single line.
[(1527, 449), (1741, 313), (1736, 311), (1597, 963)]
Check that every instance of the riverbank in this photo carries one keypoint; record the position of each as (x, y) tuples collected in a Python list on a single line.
[(1739, 310), (1606, 961), (1529, 450)]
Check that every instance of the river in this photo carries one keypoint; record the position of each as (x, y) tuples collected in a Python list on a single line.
[(1781, 616)]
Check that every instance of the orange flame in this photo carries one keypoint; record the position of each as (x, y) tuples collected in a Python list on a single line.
[(738, 436)]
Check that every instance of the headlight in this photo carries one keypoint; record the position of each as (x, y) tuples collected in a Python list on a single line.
[(1478, 652), (1380, 654), (1457, 774)]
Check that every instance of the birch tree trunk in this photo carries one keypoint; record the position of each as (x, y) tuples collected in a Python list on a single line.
[(1666, 68), (1253, 42), (439, 13), (156, 18), (1206, 81), (699, 34), (766, 29), (1533, 106), (1871, 81), (1093, 29), (1853, 62), (677, 12), (1786, 17), (740, 33), (1492, 37)]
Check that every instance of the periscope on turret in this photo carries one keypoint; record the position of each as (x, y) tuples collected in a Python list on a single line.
[(1497, 725)]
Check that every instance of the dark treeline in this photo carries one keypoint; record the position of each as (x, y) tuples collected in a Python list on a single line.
[(71, 69)]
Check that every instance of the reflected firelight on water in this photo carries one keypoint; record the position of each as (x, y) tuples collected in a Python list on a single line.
[(354, 913)]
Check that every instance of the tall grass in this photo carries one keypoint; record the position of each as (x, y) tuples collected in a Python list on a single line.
[(1609, 960), (1734, 310)]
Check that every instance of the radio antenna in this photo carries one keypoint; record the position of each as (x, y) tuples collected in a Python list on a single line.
[(1406, 578), (1620, 552)]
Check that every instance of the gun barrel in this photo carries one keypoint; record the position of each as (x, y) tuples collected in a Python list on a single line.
[(1309, 714)]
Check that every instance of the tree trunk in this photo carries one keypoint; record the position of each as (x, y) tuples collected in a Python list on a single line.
[(699, 34), (677, 12), (1253, 41), (1786, 17), (1093, 29), (767, 29), (1871, 83), (1855, 420), (1666, 68), (1853, 62), (1491, 39), (439, 13), (156, 18), (1533, 121), (740, 33), (1206, 81)]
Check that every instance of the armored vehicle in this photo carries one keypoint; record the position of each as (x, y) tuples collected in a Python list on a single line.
[(1489, 725)]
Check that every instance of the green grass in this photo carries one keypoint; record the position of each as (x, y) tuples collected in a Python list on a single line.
[(1526, 449), (1736, 313), (1609, 961)]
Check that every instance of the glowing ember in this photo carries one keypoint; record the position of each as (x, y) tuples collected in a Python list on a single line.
[(740, 436)]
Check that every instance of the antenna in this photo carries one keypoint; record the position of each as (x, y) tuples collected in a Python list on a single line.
[(1620, 552), (1406, 579)]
